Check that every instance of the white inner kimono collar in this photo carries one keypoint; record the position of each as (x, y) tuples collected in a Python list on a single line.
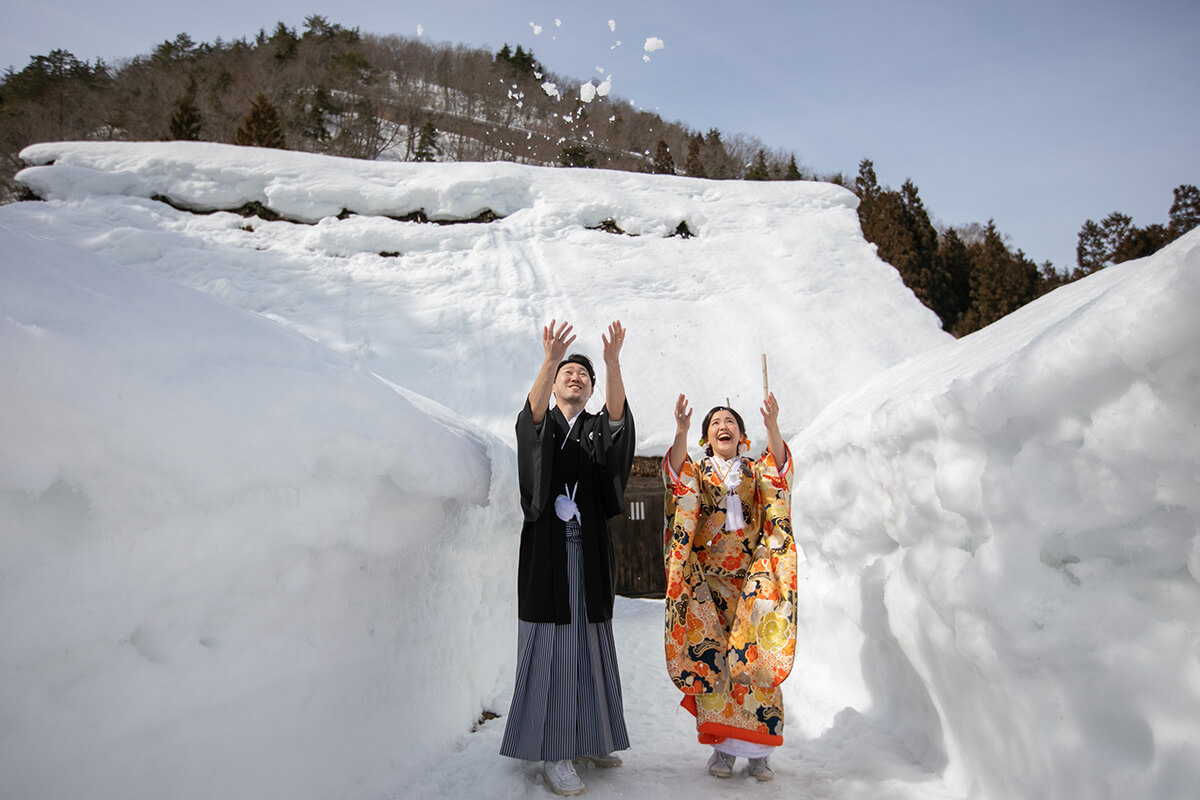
[(730, 473)]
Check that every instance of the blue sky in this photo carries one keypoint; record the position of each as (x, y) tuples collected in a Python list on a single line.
[(1038, 115)]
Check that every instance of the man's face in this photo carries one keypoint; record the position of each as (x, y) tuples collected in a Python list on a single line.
[(572, 384)]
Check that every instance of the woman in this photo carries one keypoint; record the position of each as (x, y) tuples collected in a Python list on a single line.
[(731, 584)]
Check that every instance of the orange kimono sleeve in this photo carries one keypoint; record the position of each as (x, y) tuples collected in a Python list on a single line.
[(694, 639)]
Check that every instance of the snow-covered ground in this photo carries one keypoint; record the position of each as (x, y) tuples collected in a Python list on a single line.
[(258, 509)]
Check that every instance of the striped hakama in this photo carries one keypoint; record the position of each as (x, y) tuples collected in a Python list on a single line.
[(567, 698)]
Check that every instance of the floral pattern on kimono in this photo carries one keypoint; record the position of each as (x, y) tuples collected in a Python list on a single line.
[(731, 596)]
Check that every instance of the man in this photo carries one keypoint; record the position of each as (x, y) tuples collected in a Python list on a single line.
[(573, 468)]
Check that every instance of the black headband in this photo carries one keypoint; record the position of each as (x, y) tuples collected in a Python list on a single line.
[(582, 360)]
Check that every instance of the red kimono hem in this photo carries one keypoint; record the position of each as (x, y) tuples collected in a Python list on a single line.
[(715, 732)]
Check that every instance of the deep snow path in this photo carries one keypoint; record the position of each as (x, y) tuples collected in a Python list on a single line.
[(851, 759)]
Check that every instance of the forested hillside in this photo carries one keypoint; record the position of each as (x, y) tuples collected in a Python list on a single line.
[(338, 91), (334, 90)]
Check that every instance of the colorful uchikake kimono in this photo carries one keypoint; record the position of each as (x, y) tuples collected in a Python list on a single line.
[(731, 594)]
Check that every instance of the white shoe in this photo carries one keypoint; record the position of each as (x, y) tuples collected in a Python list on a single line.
[(606, 761), (761, 770), (721, 764), (562, 778)]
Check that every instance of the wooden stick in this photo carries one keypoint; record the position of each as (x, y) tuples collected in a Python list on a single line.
[(766, 388)]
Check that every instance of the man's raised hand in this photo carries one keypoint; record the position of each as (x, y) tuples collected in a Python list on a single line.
[(556, 342), (612, 342)]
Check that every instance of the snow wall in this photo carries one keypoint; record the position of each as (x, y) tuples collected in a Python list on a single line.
[(1003, 543)]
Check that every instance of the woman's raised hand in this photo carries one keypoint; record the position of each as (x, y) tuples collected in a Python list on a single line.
[(770, 412), (683, 415), (683, 419), (775, 443), (556, 342)]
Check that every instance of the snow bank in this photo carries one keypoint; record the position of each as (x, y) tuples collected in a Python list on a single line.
[(454, 312), (1008, 528), (233, 564)]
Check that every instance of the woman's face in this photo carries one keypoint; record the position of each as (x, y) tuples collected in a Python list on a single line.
[(723, 434)]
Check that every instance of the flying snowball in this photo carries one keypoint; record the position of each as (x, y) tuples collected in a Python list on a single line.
[(551, 89), (420, 30), (557, 23), (612, 24), (653, 43), (537, 29), (646, 59), (587, 92), (604, 88)]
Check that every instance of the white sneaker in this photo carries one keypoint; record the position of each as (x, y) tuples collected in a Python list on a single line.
[(721, 764), (562, 778), (761, 770), (607, 760)]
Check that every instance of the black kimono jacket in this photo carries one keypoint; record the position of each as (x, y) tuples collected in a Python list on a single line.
[(599, 460)]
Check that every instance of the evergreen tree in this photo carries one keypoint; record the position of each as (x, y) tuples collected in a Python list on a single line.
[(866, 185), (1140, 242), (185, 122), (953, 263), (899, 227), (427, 143), (1110, 241), (758, 171), (520, 62), (694, 166), (286, 43), (1116, 228), (575, 155), (57, 84), (316, 117), (1001, 282), (793, 171), (261, 127), (318, 27), (919, 269), (1091, 250), (1049, 279), (716, 159), (1185, 210), (663, 163), (180, 49), (1116, 239), (523, 60)]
